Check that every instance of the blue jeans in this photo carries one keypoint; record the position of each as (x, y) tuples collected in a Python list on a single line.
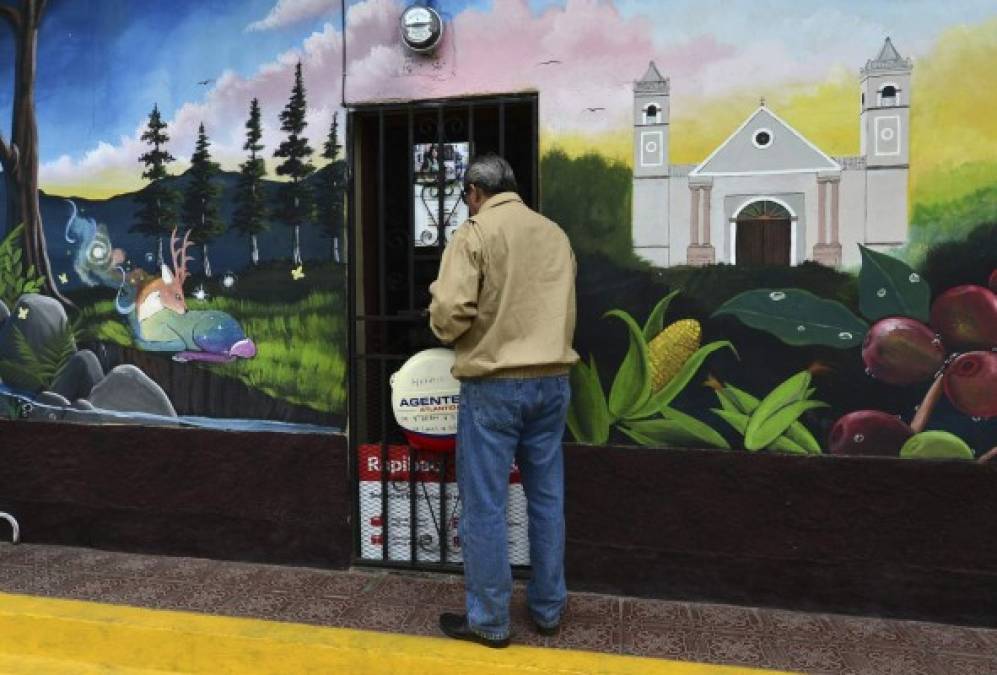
[(500, 420)]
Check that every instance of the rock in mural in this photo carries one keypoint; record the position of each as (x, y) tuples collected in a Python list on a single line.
[(78, 377), (128, 389)]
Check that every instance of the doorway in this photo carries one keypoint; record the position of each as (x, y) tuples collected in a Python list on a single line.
[(407, 164), (764, 234)]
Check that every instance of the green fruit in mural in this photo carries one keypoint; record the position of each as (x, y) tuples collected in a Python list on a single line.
[(936, 445), (899, 350), (971, 383), (870, 433), (966, 317)]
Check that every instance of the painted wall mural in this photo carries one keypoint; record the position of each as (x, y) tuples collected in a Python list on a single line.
[(786, 235)]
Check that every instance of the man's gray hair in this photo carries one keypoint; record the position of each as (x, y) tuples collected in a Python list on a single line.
[(491, 173)]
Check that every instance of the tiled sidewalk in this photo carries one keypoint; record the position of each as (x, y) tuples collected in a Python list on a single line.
[(411, 603)]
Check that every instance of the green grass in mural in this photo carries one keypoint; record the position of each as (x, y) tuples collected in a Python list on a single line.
[(589, 197), (301, 345), (936, 223)]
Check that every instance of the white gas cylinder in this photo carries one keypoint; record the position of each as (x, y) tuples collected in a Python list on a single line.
[(425, 398)]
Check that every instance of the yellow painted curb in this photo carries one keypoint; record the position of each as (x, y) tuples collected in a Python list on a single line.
[(41, 635)]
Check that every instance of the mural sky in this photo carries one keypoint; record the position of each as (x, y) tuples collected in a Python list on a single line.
[(104, 63)]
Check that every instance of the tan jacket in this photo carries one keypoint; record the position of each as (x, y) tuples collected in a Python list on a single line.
[(505, 295)]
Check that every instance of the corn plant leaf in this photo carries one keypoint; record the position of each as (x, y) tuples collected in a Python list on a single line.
[(656, 321), (739, 421), (664, 396), (745, 402), (764, 429), (788, 391), (696, 428), (889, 287), (673, 433), (784, 444), (632, 384), (727, 403), (638, 437), (797, 317), (588, 416), (801, 436)]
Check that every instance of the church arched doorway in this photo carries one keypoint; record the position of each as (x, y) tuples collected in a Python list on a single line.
[(763, 234)]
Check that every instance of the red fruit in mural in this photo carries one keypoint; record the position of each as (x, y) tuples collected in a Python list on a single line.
[(900, 350), (971, 383), (966, 317), (870, 433), (993, 281)]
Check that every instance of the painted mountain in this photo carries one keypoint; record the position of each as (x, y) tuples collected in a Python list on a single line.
[(229, 253)]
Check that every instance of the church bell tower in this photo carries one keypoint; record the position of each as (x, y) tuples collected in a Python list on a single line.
[(651, 169), (885, 84)]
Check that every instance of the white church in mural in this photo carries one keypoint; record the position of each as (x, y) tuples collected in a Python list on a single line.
[(768, 195)]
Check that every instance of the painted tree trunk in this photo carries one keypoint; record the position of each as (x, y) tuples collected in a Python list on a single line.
[(207, 261), (255, 254), (23, 20), (159, 256), (297, 244)]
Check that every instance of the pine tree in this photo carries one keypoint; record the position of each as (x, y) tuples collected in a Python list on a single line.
[(250, 216), (200, 203), (157, 211), (331, 190), (295, 203)]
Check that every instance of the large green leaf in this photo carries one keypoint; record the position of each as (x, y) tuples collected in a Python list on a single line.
[(632, 384), (797, 317), (664, 396), (889, 287), (588, 416), (656, 321)]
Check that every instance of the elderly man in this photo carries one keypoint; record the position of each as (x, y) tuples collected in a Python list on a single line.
[(505, 298)]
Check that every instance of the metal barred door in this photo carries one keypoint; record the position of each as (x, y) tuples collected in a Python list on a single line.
[(407, 163)]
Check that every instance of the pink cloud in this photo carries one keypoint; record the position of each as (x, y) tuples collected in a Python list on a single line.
[(597, 53)]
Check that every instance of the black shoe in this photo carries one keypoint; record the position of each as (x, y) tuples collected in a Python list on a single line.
[(455, 626), (546, 631)]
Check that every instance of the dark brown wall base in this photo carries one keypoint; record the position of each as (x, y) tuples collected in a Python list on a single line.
[(265, 497), (896, 538), (911, 539)]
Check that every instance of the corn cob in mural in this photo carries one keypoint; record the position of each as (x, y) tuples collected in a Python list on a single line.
[(670, 349)]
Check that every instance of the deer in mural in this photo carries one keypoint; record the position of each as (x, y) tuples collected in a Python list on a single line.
[(156, 306)]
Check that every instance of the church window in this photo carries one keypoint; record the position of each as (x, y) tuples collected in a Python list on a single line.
[(762, 138), (652, 114), (889, 95)]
